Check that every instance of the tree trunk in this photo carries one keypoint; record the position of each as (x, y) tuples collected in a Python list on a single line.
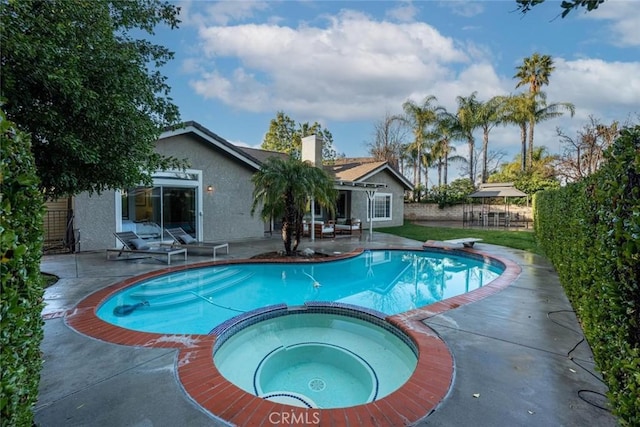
[(446, 166), (471, 143), (288, 223), (485, 150), (523, 148), (530, 154), (298, 232)]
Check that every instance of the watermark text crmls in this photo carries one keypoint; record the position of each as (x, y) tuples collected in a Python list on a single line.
[(293, 417)]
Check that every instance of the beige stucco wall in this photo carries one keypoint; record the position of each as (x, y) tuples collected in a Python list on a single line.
[(95, 220), (359, 201), (226, 210)]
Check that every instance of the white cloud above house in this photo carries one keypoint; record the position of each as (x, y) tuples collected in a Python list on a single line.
[(341, 65)]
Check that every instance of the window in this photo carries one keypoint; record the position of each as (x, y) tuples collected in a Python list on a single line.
[(341, 205), (381, 207)]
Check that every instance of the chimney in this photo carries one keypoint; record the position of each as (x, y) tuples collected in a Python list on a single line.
[(312, 150)]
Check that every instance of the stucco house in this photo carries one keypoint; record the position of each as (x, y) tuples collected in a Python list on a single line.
[(212, 198)]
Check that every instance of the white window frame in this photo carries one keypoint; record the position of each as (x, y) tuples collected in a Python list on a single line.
[(380, 198)]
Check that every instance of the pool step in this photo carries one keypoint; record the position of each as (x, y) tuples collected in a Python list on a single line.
[(191, 295), (193, 283), (180, 278)]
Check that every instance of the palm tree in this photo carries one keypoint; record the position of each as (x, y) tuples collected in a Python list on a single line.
[(468, 121), (445, 130), (516, 109), (488, 115), (534, 71), (283, 188), (419, 117)]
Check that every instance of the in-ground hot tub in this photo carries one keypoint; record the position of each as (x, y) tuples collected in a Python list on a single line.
[(323, 356)]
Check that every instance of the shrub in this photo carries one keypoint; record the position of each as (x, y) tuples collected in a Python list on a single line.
[(591, 233), (21, 210)]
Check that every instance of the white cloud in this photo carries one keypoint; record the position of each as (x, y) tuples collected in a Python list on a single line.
[(355, 67), (343, 71), (226, 12), (464, 8), (624, 18), (592, 84), (405, 12)]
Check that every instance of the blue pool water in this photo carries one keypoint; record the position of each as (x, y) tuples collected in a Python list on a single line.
[(196, 300), (316, 359)]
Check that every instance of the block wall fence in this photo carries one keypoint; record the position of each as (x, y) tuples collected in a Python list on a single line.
[(431, 211)]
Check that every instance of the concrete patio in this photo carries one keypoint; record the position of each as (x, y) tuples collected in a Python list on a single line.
[(520, 356)]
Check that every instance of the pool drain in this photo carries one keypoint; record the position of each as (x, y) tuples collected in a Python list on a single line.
[(317, 384)]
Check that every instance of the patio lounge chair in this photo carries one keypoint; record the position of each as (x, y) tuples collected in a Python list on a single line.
[(182, 239), (133, 244)]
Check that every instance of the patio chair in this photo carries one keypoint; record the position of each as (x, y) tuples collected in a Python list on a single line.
[(322, 229), (182, 239), (349, 226), (134, 244)]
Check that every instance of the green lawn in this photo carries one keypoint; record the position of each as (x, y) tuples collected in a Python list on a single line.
[(524, 240)]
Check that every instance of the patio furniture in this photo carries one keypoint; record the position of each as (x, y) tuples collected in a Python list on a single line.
[(134, 244), (350, 226), (184, 240), (321, 230)]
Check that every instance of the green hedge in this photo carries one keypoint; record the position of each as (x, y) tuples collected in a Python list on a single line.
[(591, 233), (21, 210)]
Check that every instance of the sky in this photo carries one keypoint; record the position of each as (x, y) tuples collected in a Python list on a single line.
[(346, 64)]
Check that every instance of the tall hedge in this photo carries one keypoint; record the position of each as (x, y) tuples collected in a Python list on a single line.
[(21, 210), (591, 233)]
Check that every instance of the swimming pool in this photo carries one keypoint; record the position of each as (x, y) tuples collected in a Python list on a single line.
[(208, 388), (196, 300)]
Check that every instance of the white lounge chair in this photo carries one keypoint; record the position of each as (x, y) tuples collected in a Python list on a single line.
[(134, 244), (182, 239)]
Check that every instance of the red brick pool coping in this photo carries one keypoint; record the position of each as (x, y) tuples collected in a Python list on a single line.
[(204, 384)]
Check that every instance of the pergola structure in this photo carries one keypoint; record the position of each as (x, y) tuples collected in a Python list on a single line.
[(488, 215), (369, 187)]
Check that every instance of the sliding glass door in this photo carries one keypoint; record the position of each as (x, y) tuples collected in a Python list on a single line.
[(175, 207), (173, 201)]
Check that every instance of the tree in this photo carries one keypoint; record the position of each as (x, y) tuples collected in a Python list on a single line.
[(584, 154), (540, 176), (468, 122), (283, 188), (445, 130), (525, 6), (488, 115), (21, 294), (87, 91), (516, 110), (534, 71), (388, 136), (285, 136), (419, 117)]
